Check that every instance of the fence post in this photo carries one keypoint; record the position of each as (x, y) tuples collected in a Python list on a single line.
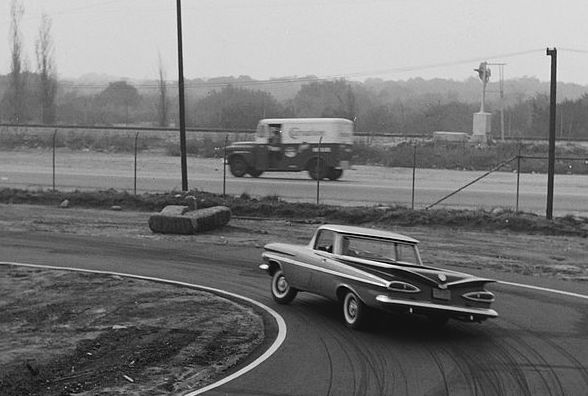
[(413, 174), (225, 166), (318, 174), (54, 144), (135, 176), (518, 177)]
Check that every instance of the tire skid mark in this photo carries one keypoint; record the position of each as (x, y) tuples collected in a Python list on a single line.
[(487, 368), (360, 388), (330, 365), (553, 378), (575, 363), (327, 334), (348, 342), (441, 370), (376, 369), (492, 371), (509, 363), (467, 369)]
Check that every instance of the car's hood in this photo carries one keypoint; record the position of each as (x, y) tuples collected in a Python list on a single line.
[(283, 248)]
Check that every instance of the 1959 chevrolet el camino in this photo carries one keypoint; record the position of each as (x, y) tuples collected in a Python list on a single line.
[(367, 269)]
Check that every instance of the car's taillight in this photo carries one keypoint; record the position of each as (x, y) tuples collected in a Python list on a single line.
[(404, 287), (479, 296)]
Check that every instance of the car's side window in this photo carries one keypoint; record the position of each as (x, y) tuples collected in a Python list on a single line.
[(325, 241)]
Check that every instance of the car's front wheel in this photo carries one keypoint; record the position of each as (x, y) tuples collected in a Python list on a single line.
[(282, 292), (354, 311)]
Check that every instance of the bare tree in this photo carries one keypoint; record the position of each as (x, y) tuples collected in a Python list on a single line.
[(14, 99), (163, 103), (44, 51)]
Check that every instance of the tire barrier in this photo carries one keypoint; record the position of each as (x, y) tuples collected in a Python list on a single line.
[(177, 219)]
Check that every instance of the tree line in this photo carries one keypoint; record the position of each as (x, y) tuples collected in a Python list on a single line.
[(414, 107)]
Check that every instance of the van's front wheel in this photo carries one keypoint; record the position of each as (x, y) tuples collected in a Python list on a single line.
[(238, 166), (335, 174)]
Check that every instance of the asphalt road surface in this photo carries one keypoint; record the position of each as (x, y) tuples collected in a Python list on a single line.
[(364, 185), (538, 345)]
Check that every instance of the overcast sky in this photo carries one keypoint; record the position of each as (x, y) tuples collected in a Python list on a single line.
[(356, 39)]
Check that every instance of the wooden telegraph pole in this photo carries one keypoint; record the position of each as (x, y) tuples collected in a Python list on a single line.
[(184, 164), (551, 161)]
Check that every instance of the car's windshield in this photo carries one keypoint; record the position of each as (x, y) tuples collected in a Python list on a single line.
[(382, 250)]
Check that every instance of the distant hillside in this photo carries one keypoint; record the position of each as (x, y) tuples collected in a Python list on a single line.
[(468, 91), (413, 90)]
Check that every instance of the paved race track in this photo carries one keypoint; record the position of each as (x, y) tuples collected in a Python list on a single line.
[(365, 185), (538, 346)]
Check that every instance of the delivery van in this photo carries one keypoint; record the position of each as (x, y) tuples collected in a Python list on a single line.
[(292, 145)]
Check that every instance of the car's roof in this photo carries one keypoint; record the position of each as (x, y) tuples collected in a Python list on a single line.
[(370, 232)]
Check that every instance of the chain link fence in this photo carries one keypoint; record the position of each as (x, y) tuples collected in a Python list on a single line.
[(416, 173)]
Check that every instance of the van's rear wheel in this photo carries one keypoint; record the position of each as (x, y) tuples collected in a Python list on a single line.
[(255, 172), (238, 166), (335, 174), (317, 169)]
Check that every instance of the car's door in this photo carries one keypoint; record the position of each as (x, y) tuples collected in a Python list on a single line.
[(319, 261)]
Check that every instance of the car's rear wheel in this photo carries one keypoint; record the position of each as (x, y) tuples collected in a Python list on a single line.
[(354, 311), (238, 166), (282, 292)]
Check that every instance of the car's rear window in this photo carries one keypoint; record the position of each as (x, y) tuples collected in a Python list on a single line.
[(382, 250)]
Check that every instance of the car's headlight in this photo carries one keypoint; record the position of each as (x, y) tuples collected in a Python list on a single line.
[(399, 286)]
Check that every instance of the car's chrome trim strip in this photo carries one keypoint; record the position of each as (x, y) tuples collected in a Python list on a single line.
[(470, 311), (469, 280), (377, 281)]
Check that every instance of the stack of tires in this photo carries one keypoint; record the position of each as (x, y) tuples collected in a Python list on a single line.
[(177, 219)]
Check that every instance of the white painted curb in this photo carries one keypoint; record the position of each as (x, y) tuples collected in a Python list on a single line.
[(270, 351)]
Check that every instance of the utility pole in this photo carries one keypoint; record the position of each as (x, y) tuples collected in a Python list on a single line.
[(184, 164), (501, 77), (501, 85), (552, 104)]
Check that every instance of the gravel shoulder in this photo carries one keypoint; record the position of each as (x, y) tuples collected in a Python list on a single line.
[(541, 256)]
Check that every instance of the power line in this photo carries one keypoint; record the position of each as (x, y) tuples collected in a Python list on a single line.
[(579, 51), (452, 63), (297, 80)]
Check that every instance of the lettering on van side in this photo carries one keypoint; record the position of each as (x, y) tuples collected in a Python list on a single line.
[(297, 132)]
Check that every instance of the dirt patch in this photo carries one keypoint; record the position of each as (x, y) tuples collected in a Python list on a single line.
[(79, 333), (549, 256)]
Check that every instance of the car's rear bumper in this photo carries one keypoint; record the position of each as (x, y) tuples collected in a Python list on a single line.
[(427, 307)]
